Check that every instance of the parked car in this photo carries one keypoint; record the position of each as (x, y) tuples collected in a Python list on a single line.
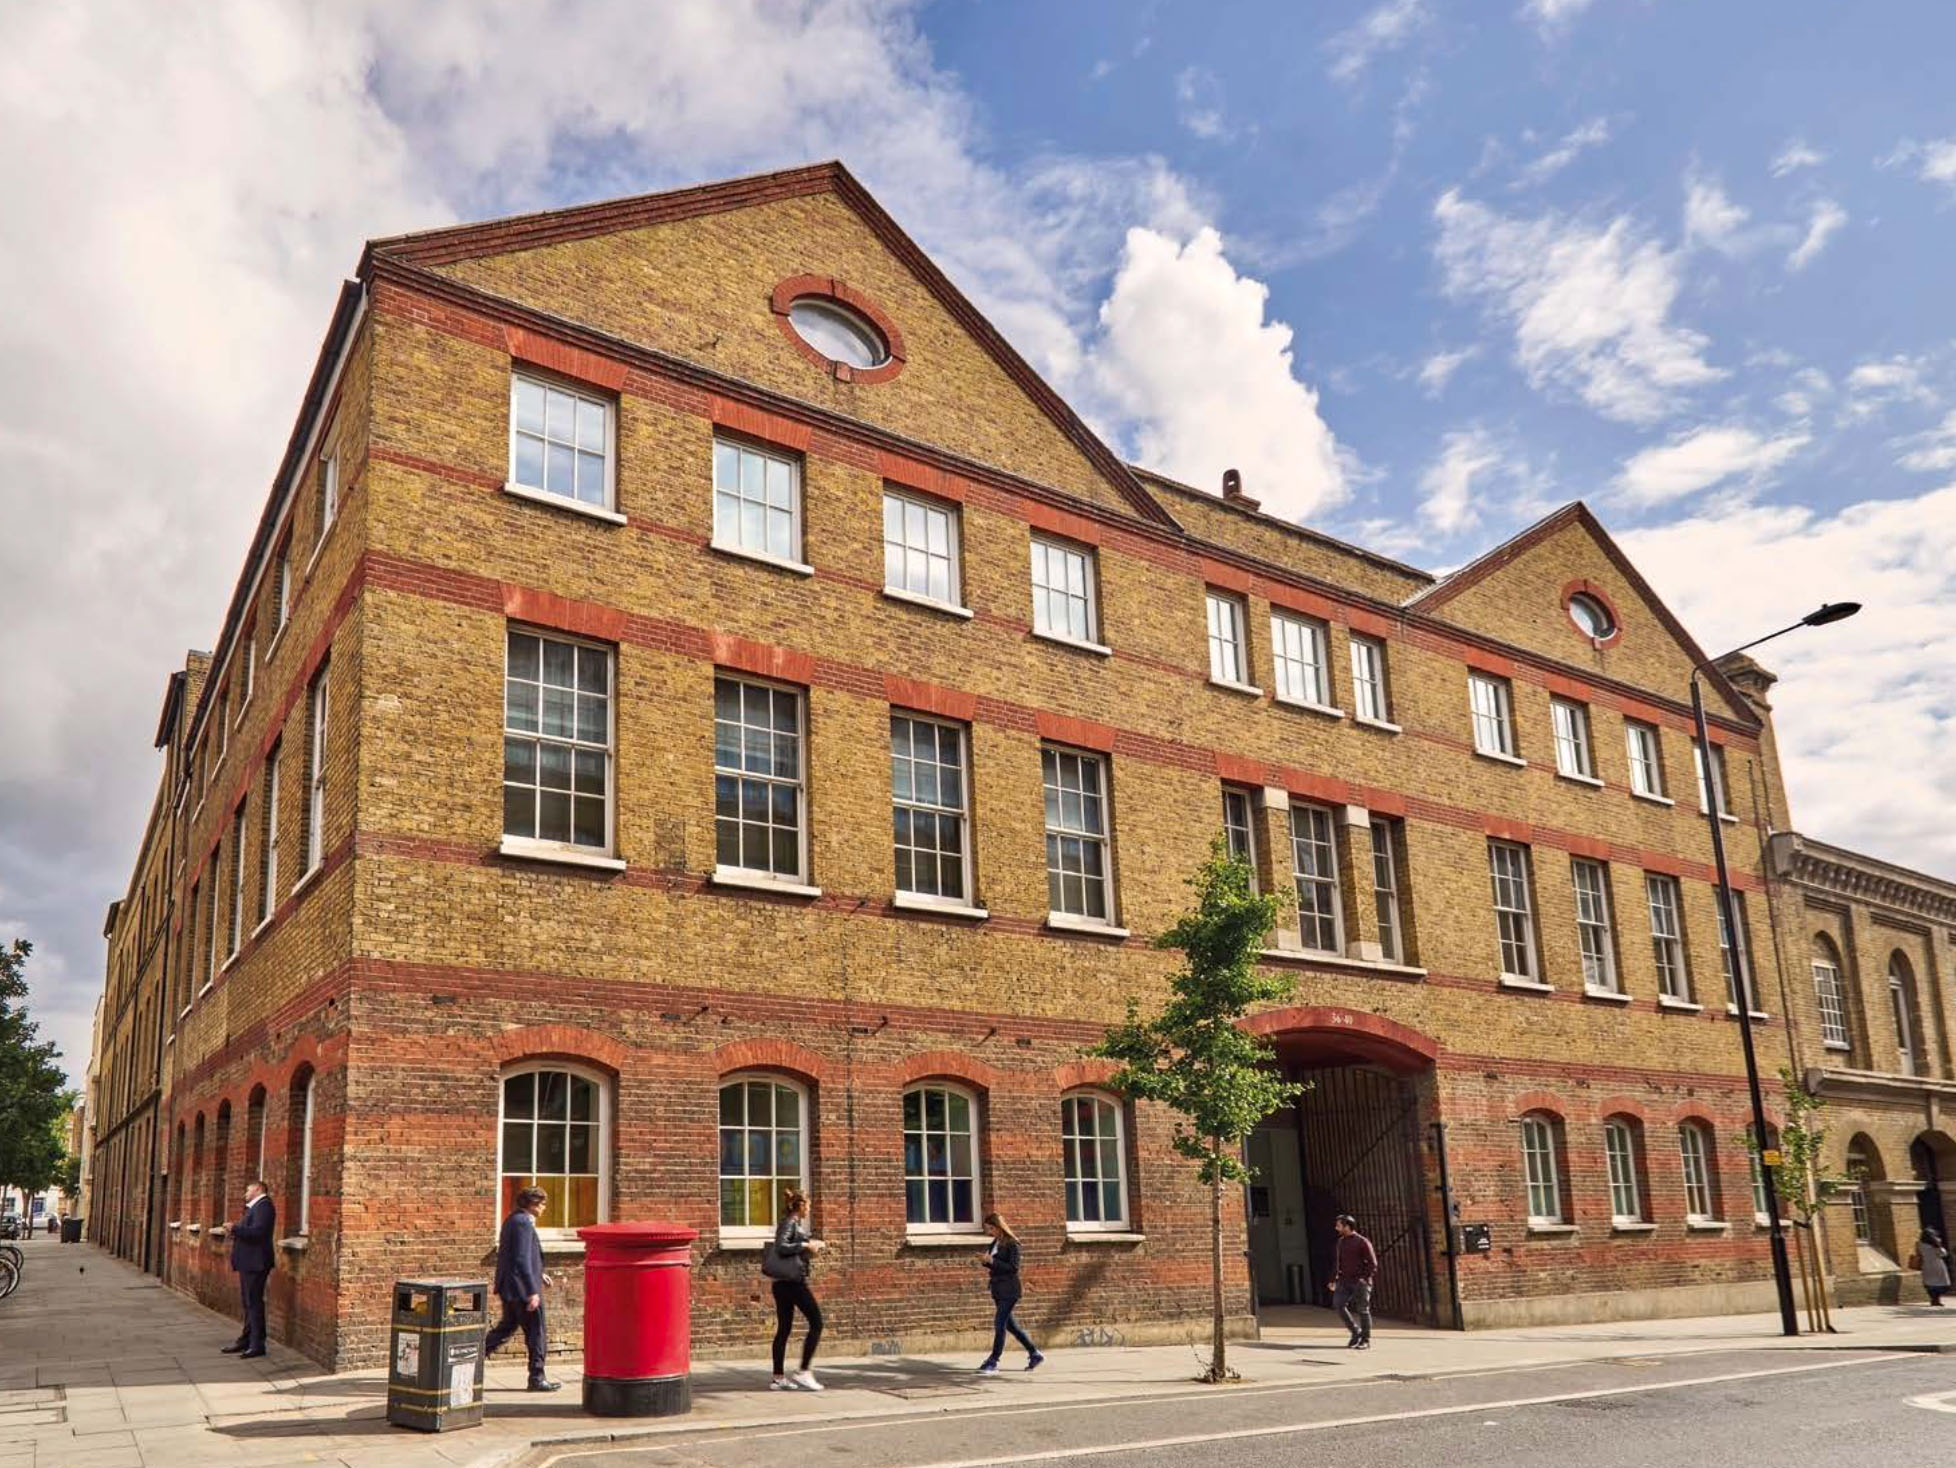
[(9, 1226)]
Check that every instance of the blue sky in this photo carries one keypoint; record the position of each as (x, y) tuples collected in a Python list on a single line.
[(1422, 269)]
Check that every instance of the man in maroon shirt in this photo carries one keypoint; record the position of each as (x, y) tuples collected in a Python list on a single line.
[(1351, 1285)]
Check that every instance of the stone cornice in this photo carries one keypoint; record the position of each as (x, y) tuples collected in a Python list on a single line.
[(1849, 874)]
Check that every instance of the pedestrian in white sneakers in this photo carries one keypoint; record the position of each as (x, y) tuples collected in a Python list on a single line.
[(786, 1261), (1001, 1261)]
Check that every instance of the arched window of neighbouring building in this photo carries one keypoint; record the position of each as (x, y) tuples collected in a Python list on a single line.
[(556, 1127), (1094, 1142), (1901, 999), (1829, 993), (763, 1152), (940, 1159), (1861, 1170)]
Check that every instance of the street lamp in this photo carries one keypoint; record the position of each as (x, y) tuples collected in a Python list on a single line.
[(1832, 611)]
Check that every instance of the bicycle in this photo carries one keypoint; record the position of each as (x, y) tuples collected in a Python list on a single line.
[(9, 1276)]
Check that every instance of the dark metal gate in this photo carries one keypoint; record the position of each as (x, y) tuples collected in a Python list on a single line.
[(1358, 1138)]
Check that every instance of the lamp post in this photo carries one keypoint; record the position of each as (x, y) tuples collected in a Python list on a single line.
[(1735, 940)]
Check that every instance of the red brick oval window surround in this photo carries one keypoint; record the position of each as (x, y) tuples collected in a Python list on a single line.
[(1601, 597), (826, 288)]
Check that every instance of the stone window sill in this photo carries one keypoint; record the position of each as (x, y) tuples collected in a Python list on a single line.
[(911, 902), (1682, 1006), (1706, 1225), (308, 877), (1325, 710), (1503, 759), (263, 923), (219, 1231), (561, 1245), (570, 856), (760, 882), (1551, 1230), (744, 1246), (1631, 1226), (1339, 960), (1840, 1046), (1607, 996), (1529, 986), (1653, 799), (297, 1244), (1066, 922), (1732, 1012), (1103, 1236), (946, 1241), (563, 502), (1382, 725), (928, 603), (779, 563), (1249, 690), (1590, 780), (194, 1229), (1098, 649)]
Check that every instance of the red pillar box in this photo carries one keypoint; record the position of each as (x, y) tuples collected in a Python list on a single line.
[(638, 1319)]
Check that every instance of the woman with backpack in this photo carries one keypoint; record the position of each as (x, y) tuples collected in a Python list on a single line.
[(1001, 1261), (786, 1262), (1931, 1256)]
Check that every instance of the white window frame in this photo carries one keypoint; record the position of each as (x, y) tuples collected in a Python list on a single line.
[(1830, 996), (329, 493), (1620, 1152), (1239, 827), (573, 742), (1052, 769), (1756, 1168), (601, 1155), (1857, 1170), (771, 780), (1737, 966), (1385, 891), (1073, 1174), (1520, 880), (1229, 651), (580, 398), (1491, 702), (268, 850), (1668, 952), (1595, 925), (1644, 748), (319, 708), (305, 1152), (1695, 1156), (1371, 679), (731, 502), (1898, 1001), (1574, 752), (284, 588), (749, 1231), (210, 916), (1300, 652), (900, 553), (1541, 1171), (1718, 786), (238, 818), (248, 673), (961, 812), (947, 1225), (1046, 550), (1314, 835)]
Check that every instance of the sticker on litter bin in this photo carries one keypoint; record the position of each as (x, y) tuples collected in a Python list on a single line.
[(407, 1355), (461, 1391)]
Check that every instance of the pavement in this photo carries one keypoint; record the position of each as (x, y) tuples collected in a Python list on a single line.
[(101, 1366)]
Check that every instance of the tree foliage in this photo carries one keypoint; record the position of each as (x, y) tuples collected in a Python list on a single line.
[(33, 1098), (1801, 1176), (1194, 1057)]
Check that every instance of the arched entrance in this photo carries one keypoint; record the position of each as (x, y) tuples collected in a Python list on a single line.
[(1932, 1157), (1351, 1144)]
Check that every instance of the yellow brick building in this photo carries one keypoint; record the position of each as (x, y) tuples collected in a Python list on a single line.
[(700, 714)]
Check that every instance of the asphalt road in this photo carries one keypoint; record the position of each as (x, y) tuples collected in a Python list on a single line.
[(1814, 1408)]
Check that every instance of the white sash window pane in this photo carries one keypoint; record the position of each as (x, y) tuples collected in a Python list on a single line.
[(756, 501), (1062, 591), (560, 441), (920, 542), (927, 781), (557, 742), (1540, 1170), (1385, 892), (1314, 857), (1077, 867), (757, 778), (1369, 700), (1667, 937), (1493, 720), (1594, 929), (1572, 753), (1626, 1198), (1646, 761), (1513, 908), (1227, 661), (1297, 648)]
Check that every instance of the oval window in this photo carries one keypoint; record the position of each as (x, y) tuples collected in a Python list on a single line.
[(838, 333), (1592, 617)]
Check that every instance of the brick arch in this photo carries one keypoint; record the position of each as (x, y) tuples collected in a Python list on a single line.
[(827, 288), (1696, 1111), (559, 1042), (1621, 1106), (1556, 1106), (1350, 1032), (1089, 1073), (782, 1055), (1586, 587), (947, 1065)]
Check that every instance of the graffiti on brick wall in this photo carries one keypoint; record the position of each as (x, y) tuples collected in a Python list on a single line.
[(1099, 1335), (890, 1347)]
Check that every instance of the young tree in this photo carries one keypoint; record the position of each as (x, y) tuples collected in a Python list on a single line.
[(32, 1094), (1801, 1178), (1195, 1058)]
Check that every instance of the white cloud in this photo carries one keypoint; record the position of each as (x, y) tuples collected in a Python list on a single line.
[(1385, 28), (1934, 161), (1592, 134), (1188, 351), (1590, 306), (1700, 459), (1874, 387), (1864, 710), (1711, 219), (1438, 370), (1827, 219), (1446, 489), (1809, 386), (1932, 451), (1551, 17), (1796, 155), (1199, 103)]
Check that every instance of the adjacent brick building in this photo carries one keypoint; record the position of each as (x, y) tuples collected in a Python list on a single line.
[(699, 713)]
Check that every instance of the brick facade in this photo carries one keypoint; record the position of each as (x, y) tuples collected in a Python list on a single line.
[(422, 956)]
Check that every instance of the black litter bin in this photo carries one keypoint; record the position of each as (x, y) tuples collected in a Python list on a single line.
[(71, 1230), (434, 1377)]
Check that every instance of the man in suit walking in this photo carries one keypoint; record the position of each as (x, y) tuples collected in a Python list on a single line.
[(519, 1285), (251, 1258)]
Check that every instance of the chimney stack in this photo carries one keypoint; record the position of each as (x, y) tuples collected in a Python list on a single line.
[(1233, 491)]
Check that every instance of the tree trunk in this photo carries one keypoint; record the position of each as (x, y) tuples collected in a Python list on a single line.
[(1218, 1364)]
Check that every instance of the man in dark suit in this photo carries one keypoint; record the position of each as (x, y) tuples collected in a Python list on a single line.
[(251, 1257), (519, 1285)]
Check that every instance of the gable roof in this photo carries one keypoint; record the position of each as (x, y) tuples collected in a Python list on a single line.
[(432, 248), (1577, 513)]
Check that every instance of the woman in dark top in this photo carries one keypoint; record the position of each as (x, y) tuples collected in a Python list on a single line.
[(792, 1243), (1001, 1261)]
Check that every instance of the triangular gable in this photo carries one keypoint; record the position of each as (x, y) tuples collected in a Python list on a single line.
[(695, 273), (1519, 593)]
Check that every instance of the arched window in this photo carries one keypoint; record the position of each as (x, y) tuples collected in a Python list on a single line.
[(1901, 998), (198, 1182), (298, 1148), (1094, 1139), (1829, 993), (1623, 1150), (1861, 1168), (178, 1193), (1760, 1212), (1700, 1178), (255, 1134), (940, 1159), (1542, 1169), (763, 1152), (556, 1135), (220, 1205)]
